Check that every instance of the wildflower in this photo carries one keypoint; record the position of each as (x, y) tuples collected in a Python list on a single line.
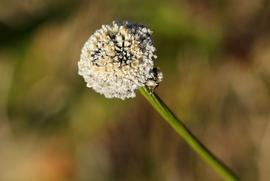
[(118, 59)]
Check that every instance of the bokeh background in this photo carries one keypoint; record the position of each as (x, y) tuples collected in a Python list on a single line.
[(215, 56)]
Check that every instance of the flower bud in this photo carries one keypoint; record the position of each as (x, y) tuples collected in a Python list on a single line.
[(118, 59)]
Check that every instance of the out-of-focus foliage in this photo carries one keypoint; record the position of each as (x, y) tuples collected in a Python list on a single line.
[(215, 56)]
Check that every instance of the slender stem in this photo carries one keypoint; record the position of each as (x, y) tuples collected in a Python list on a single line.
[(188, 137)]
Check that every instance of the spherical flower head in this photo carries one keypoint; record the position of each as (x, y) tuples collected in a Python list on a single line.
[(118, 59)]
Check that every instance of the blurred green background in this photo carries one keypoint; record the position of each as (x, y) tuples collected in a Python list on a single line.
[(215, 56)]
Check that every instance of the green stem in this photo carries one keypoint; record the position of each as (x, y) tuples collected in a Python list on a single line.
[(188, 137)]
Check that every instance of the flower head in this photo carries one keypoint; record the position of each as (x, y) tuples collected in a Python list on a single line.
[(118, 59)]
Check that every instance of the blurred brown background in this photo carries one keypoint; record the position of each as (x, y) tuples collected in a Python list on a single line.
[(215, 56)]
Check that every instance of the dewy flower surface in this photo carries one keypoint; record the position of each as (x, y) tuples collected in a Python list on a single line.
[(118, 59)]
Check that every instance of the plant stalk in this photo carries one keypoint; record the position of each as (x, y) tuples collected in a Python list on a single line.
[(187, 135)]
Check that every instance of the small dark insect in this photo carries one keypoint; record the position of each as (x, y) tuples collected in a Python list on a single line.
[(154, 81)]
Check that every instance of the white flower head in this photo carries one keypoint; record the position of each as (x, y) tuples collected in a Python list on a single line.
[(118, 59)]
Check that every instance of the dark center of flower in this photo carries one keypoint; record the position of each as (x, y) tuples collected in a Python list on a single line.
[(123, 54), (122, 50)]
